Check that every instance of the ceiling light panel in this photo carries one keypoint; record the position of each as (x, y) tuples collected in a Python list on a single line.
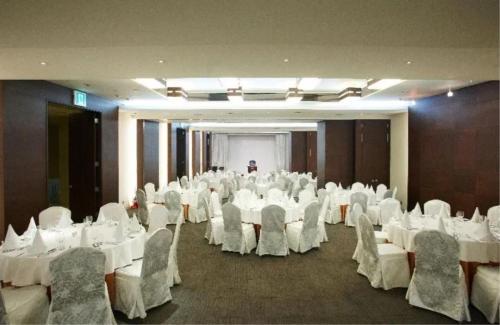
[(309, 83), (152, 83), (383, 84), (267, 84)]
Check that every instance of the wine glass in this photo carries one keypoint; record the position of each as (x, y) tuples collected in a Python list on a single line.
[(460, 215), (88, 220)]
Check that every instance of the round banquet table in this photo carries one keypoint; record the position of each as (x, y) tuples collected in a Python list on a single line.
[(19, 268), (252, 213)]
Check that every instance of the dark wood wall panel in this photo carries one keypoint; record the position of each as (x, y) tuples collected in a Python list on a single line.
[(312, 153), (454, 148), (299, 152), (196, 152), (25, 146), (335, 152), (2, 192), (148, 152), (172, 152)]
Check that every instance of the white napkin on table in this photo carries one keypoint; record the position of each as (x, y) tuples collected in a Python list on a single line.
[(443, 213), (85, 238), (12, 240), (441, 226), (30, 232), (416, 212), (120, 232), (38, 246), (340, 186), (483, 233), (476, 217), (134, 224), (405, 220)]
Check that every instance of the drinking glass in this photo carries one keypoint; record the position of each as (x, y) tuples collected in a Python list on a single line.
[(460, 215), (88, 220)]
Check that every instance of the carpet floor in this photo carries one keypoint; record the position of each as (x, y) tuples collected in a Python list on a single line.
[(321, 286)]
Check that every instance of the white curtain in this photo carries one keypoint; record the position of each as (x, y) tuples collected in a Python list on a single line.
[(220, 147), (282, 151)]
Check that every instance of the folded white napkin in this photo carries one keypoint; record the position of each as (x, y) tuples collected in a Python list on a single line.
[(476, 217), (38, 246), (483, 233), (120, 232), (441, 226), (443, 213), (12, 240), (340, 186), (416, 212), (405, 220), (30, 232), (85, 238), (134, 224)]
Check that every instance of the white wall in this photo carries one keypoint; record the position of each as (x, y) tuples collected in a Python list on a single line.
[(399, 156), (243, 148), (127, 155)]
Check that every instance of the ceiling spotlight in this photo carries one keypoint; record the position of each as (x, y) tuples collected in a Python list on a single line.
[(449, 93), (161, 61), (294, 95), (235, 95), (409, 62), (383, 83), (43, 63), (285, 60), (176, 94), (308, 83)]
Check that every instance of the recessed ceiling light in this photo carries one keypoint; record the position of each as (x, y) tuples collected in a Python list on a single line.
[(285, 60), (449, 93), (161, 61), (409, 62), (43, 63), (298, 112)]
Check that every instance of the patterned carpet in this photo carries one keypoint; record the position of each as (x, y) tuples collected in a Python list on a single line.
[(321, 286)]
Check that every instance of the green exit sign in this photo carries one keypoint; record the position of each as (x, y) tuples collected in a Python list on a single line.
[(79, 98)]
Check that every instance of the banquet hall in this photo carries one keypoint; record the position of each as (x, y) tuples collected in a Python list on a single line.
[(249, 162)]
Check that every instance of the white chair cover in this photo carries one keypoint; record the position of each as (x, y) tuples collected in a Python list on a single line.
[(333, 215), (24, 305), (357, 211), (381, 189), (305, 198), (55, 217), (174, 206), (197, 213), (433, 207), (357, 187), (359, 198), (215, 227), (238, 237), (173, 276), (215, 206), (158, 218), (321, 219), (113, 211), (272, 239), (494, 215), (79, 294), (330, 187), (438, 282), (274, 195), (485, 294), (143, 285), (184, 182), (322, 194), (142, 210), (150, 190), (251, 187), (385, 265), (174, 186), (388, 208), (303, 236)]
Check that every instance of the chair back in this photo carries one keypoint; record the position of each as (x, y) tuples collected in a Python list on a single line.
[(368, 241), (330, 187), (203, 185), (113, 211), (388, 209), (305, 197), (311, 216), (215, 205), (142, 211), (381, 189), (361, 198), (303, 182), (356, 187), (184, 182), (437, 268), (251, 187), (324, 208), (156, 251), (322, 194), (55, 217), (244, 195), (202, 196), (388, 194), (494, 215), (158, 218), (273, 219), (150, 190), (432, 207), (174, 186), (78, 288), (274, 195), (173, 202), (232, 218)]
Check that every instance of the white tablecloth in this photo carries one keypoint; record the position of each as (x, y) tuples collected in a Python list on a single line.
[(252, 213), (471, 250), (189, 196), (21, 269)]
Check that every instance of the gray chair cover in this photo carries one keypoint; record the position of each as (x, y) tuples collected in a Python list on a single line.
[(437, 283), (79, 294), (309, 237), (272, 240), (361, 198), (225, 189), (388, 194), (321, 195), (303, 183), (184, 182), (142, 211), (368, 257), (233, 232), (173, 205), (173, 276)]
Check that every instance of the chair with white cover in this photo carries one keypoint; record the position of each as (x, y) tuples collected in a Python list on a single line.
[(330, 187), (113, 211), (432, 207), (385, 265), (55, 217), (184, 182), (357, 211), (360, 198), (305, 197), (381, 189), (333, 215), (142, 207), (79, 294), (485, 294), (274, 195), (322, 194), (215, 207), (24, 305), (323, 212), (238, 237), (357, 187), (197, 213), (302, 236), (158, 218), (173, 276), (142, 285), (174, 207), (251, 186), (438, 282), (244, 195), (494, 215), (174, 186), (388, 209), (215, 226), (272, 239), (224, 189), (388, 194), (150, 190)]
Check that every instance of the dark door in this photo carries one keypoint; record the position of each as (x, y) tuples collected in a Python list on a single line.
[(84, 164), (372, 152), (181, 152)]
